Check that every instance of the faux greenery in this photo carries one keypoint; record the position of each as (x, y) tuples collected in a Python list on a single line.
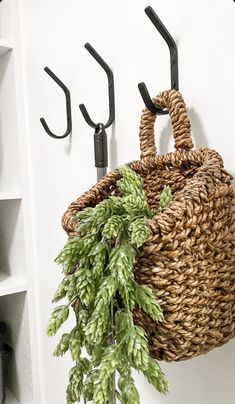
[(99, 284)]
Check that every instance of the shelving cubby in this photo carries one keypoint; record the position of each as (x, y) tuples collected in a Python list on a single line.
[(12, 252), (9, 143), (15, 241), (14, 312)]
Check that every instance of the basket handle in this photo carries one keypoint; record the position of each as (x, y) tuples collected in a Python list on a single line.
[(173, 101)]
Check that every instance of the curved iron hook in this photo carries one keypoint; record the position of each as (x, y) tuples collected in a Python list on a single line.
[(173, 61), (68, 107), (109, 73)]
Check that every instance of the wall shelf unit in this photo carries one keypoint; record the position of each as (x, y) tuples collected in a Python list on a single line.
[(16, 307)]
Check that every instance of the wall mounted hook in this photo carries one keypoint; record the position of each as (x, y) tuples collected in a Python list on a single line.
[(100, 135), (109, 73), (68, 107), (173, 62)]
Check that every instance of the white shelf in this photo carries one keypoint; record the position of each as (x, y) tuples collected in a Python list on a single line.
[(5, 47), (10, 285), (10, 195), (14, 305), (10, 399)]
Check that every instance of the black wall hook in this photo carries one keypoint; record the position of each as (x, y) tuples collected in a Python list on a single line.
[(173, 62), (100, 135), (68, 107), (109, 73)]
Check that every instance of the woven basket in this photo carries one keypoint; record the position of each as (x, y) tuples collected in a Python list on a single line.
[(189, 260)]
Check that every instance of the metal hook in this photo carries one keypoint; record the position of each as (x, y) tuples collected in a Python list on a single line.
[(68, 107), (173, 61), (109, 73)]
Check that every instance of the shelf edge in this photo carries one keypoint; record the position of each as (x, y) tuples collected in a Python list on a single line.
[(10, 195), (11, 290)]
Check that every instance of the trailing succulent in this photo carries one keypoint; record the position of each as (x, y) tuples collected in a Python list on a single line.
[(99, 284)]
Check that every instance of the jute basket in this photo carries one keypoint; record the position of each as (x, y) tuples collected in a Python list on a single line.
[(189, 260)]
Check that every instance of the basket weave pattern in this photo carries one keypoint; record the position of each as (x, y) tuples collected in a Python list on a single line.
[(189, 259)]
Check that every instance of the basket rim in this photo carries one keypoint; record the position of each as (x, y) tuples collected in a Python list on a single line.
[(209, 162)]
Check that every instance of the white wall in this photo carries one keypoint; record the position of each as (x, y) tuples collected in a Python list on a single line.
[(53, 33)]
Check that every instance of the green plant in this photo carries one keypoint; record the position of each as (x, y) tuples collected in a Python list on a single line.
[(100, 285)]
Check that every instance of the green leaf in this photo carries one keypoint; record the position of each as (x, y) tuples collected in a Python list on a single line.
[(128, 189), (109, 364), (98, 257), (147, 301), (129, 393), (105, 293), (98, 324), (113, 227), (89, 242), (82, 317), (139, 231), (83, 215), (84, 218), (70, 254), (123, 324), (127, 292), (84, 228), (75, 343), (75, 387), (131, 177), (89, 385), (63, 345), (117, 205), (97, 354), (76, 378), (137, 347), (85, 286), (71, 289), (121, 262), (102, 213), (135, 204), (165, 197), (85, 364), (61, 290), (58, 317), (99, 249), (155, 376)]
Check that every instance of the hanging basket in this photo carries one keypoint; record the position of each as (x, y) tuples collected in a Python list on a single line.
[(189, 259)]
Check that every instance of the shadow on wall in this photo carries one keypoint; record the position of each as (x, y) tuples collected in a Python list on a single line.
[(198, 134), (68, 146), (113, 157), (211, 374), (206, 379), (166, 134)]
